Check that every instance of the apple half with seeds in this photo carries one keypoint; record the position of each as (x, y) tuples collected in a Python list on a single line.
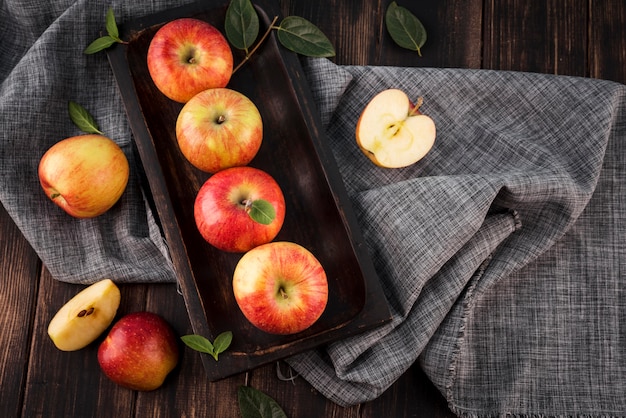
[(84, 317), (392, 132)]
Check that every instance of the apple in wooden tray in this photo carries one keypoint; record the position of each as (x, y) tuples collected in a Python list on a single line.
[(187, 56), (85, 175), (239, 208), (84, 317), (392, 132), (139, 352), (280, 287), (219, 128)]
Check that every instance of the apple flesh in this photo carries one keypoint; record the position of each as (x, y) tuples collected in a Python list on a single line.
[(280, 287), (187, 56), (392, 132), (139, 352), (85, 175), (85, 317), (219, 128), (228, 205)]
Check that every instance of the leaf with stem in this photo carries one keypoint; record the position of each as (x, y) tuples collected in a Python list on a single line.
[(203, 345), (83, 119), (112, 37), (254, 403), (303, 37), (241, 24), (405, 29), (261, 211)]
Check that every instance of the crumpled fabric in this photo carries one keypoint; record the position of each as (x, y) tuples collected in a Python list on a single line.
[(500, 254)]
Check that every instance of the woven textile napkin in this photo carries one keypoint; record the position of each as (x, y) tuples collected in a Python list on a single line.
[(501, 253)]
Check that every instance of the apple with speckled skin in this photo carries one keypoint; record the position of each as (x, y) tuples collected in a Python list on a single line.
[(280, 287), (392, 132), (85, 175), (139, 352), (219, 128), (239, 208), (187, 56)]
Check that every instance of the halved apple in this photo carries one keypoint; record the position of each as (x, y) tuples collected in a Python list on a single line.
[(392, 132), (84, 317)]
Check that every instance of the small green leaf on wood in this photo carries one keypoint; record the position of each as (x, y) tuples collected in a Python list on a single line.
[(83, 119), (405, 28), (303, 37), (203, 345), (255, 404), (262, 211), (241, 24)]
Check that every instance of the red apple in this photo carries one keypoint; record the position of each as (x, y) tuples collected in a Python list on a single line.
[(219, 128), (85, 175), (239, 208), (280, 287), (392, 132), (139, 352), (187, 56)]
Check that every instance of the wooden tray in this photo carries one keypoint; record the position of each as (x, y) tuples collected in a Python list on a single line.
[(294, 152)]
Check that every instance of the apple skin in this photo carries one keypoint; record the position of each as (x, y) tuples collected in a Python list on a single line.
[(84, 317), (392, 132), (187, 56), (221, 214), (139, 352), (280, 287), (85, 175), (219, 128)]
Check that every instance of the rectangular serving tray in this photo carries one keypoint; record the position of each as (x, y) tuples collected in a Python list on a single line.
[(294, 151)]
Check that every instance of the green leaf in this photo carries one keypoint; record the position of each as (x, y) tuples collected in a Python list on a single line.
[(303, 37), (198, 343), (111, 26), (241, 24), (83, 119), (405, 29), (221, 343), (262, 211), (255, 404), (99, 44)]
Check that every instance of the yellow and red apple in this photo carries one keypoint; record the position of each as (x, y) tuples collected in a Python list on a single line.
[(392, 132), (280, 287), (187, 56), (219, 128), (85, 316), (139, 352), (85, 175), (239, 208)]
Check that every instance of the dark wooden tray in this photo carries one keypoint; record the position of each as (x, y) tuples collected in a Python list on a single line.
[(294, 152)]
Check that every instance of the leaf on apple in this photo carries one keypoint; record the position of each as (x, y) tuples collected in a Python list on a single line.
[(262, 211), (203, 345), (254, 403), (83, 119), (405, 28), (241, 24), (303, 37)]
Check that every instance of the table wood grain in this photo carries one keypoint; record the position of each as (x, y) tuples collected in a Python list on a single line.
[(568, 37)]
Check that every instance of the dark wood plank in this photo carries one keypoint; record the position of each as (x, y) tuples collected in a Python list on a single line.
[(607, 41), (19, 272), (547, 37)]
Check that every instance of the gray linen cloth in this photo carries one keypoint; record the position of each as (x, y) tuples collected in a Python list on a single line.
[(501, 253)]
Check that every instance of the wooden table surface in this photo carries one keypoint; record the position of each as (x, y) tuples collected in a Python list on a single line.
[(568, 37)]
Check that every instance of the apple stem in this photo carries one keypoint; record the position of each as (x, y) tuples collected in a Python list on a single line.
[(416, 107), (221, 119), (283, 293)]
